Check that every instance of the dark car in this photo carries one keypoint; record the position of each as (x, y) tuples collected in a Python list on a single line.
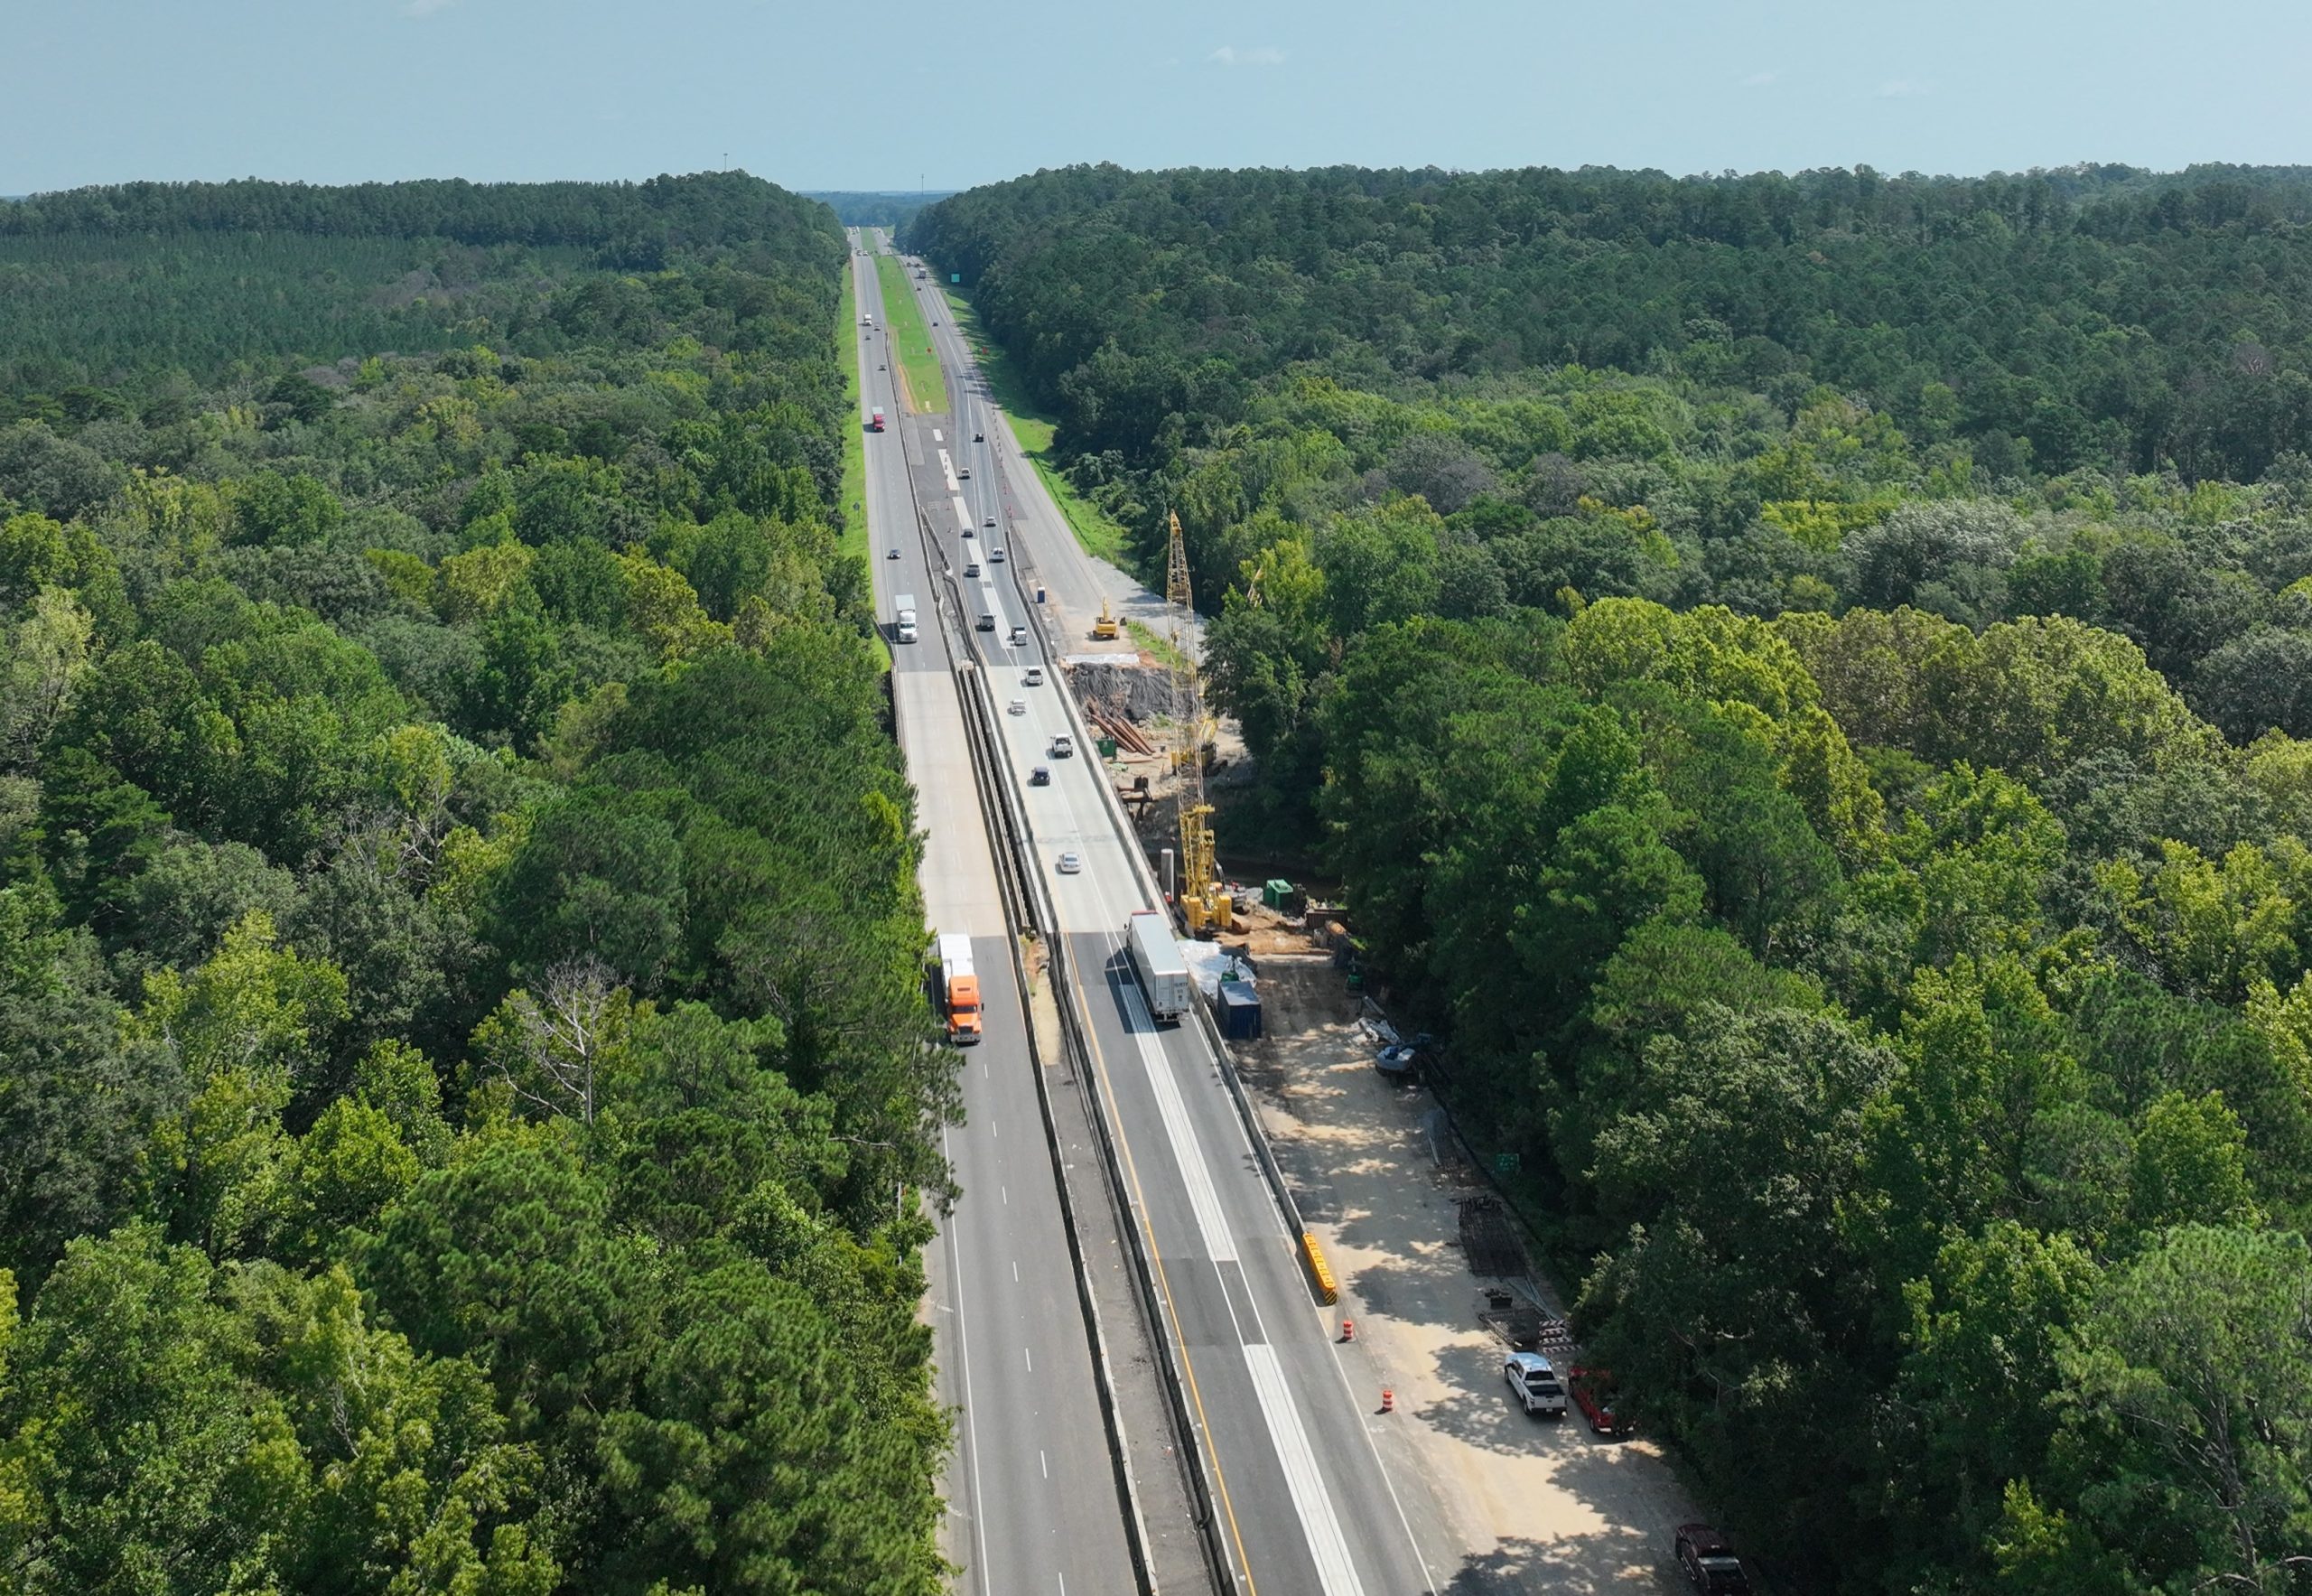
[(1711, 1563), (979, 437)]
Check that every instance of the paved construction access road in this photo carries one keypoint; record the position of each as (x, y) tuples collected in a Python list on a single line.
[(1316, 1494), (1031, 1491)]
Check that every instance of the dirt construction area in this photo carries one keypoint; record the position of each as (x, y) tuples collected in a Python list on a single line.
[(1535, 1503)]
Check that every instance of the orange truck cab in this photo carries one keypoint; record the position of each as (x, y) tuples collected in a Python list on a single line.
[(959, 988)]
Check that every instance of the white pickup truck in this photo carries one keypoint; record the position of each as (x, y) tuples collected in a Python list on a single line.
[(1535, 1384)]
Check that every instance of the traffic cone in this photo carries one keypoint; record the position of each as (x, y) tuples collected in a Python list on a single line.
[(1348, 1330), (1388, 1400)]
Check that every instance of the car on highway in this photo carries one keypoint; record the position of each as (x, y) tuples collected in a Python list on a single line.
[(991, 520), (1711, 1565), (986, 623), (995, 556), (1034, 678), (1535, 1384), (1069, 863), (894, 554), (1019, 706), (880, 367), (981, 438), (1063, 746), (967, 530), (962, 473), (971, 567), (1040, 776)]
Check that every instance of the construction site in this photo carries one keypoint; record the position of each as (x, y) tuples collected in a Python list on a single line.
[(1435, 1281)]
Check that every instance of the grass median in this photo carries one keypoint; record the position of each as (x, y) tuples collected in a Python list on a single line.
[(908, 339), (852, 542), (1099, 535)]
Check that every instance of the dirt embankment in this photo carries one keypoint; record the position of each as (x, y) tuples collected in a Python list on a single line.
[(1531, 1504)]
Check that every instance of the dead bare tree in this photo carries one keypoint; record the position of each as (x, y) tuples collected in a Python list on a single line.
[(553, 1052)]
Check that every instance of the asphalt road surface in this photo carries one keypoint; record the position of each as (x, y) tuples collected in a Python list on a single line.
[(1032, 1500), (1316, 1494)]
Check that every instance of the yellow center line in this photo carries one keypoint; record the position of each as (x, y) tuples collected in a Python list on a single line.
[(1156, 1260)]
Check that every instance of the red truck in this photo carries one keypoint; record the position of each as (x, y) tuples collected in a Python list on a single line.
[(875, 420)]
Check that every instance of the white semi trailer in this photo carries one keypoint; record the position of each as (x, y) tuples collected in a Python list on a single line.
[(1156, 957)]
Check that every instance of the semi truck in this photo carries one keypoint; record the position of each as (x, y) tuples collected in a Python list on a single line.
[(1156, 959), (959, 988), (875, 421), (903, 617)]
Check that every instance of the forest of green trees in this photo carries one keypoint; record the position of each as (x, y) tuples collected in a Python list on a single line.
[(467, 1098), (1806, 684)]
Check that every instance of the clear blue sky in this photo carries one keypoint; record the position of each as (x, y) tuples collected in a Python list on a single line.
[(833, 96)]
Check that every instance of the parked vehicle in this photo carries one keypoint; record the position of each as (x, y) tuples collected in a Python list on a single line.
[(1156, 960), (1593, 1392), (1711, 1563), (959, 988), (1535, 1384)]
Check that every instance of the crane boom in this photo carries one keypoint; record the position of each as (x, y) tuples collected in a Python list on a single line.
[(1204, 901)]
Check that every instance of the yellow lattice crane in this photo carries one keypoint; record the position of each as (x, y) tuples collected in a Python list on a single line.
[(1203, 900)]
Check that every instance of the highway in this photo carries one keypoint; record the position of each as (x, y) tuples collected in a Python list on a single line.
[(1314, 1494), (1032, 1497)]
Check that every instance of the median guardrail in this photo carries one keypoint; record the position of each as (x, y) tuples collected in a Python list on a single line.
[(1074, 1025)]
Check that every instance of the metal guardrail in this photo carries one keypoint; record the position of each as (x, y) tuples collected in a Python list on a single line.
[(1073, 1026), (1152, 895), (1009, 839), (985, 745)]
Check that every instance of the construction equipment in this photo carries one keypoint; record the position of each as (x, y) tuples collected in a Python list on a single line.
[(1489, 1240), (1205, 903), (1104, 629)]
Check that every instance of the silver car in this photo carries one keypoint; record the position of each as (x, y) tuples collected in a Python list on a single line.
[(1069, 863)]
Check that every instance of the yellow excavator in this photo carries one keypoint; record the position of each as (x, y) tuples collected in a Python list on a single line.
[(1104, 629)]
